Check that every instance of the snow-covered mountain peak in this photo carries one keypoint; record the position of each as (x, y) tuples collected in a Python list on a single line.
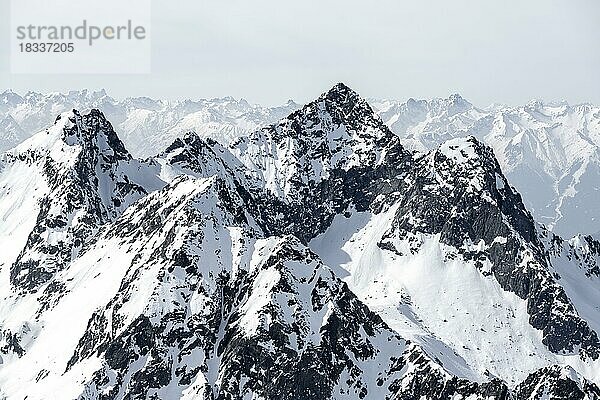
[(83, 139), (346, 107), (338, 131), (8, 97), (456, 98), (549, 106), (93, 129), (53, 141), (82, 178), (548, 150), (201, 158), (451, 105), (187, 140), (454, 104)]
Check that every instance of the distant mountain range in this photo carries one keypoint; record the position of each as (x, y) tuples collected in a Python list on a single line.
[(147, 126)]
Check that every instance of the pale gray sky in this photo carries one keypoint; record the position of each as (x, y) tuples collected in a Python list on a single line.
[(268, 51)]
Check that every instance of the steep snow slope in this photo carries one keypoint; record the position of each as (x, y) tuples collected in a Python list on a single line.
[(454, 255), (577, 264), (11, 133), (550, 152)]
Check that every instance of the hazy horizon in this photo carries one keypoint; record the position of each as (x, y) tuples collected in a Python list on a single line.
[(267, 52), (238, 98)]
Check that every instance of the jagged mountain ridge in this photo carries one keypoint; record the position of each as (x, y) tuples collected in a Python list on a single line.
[(549, 151), (198, 286)]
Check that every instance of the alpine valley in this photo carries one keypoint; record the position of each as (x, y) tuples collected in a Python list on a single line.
[(339, 252)]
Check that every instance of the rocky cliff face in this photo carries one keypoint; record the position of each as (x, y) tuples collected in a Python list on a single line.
[(321, 160)]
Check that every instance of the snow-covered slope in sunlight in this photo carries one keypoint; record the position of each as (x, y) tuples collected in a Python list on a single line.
[(431, 298), (453, 256)]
